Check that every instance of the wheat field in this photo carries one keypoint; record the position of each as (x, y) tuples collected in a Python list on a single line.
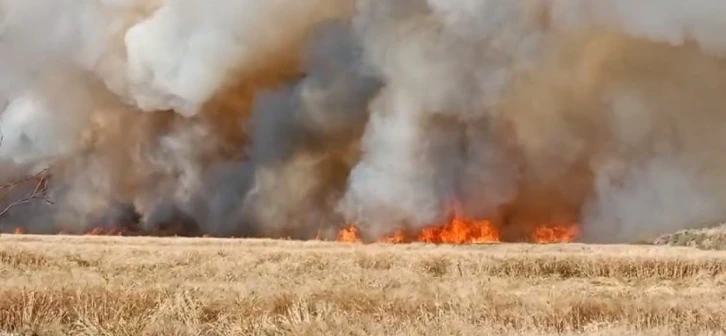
[(63, 285)]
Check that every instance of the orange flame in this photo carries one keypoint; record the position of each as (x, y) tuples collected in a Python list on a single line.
[(349, 235), (458, 230), (465, 231), (555, 233), (107, 230), (461, 231), (398, 237)]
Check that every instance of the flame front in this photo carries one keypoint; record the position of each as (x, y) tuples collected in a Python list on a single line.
[(458, 230), (101, 231), (349, 234), (555, 233), (461, 230)]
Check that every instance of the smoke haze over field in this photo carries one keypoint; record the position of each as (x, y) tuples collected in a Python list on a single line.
[(295, 118)]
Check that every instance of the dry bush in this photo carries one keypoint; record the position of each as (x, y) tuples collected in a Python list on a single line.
[(176, 286)]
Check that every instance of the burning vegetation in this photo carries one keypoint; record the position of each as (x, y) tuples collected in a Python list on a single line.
[(361, 120), (458, 230)]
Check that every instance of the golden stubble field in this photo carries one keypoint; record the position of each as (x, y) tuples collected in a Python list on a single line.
[(61, 285)]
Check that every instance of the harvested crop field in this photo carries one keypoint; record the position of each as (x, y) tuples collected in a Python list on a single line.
[(204, 286)]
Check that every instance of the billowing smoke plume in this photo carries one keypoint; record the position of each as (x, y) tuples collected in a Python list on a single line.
[(296, 118)]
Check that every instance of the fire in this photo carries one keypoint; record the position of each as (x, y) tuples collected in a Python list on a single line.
[(461, 231), (397, 237), (100, 231), (555, 233), (117, 230), (466, 231), (349, 234), (458, 230)]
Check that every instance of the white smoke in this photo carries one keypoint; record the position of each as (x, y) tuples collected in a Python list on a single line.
[(279, 117), (178, 57), (672, 21), (662, 196), (42, 124), (457, 59), (181, 55)]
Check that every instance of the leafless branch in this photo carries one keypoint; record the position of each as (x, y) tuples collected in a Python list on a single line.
[(40, 192)]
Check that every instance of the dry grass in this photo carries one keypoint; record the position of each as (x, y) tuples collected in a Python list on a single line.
[(710, 238), (144, 286)]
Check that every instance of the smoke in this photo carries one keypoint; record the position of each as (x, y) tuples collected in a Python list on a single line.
[(178, 57), (296, 118), (629, 126)]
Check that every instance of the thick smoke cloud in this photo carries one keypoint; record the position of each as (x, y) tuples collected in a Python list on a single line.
[(296, 118)]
